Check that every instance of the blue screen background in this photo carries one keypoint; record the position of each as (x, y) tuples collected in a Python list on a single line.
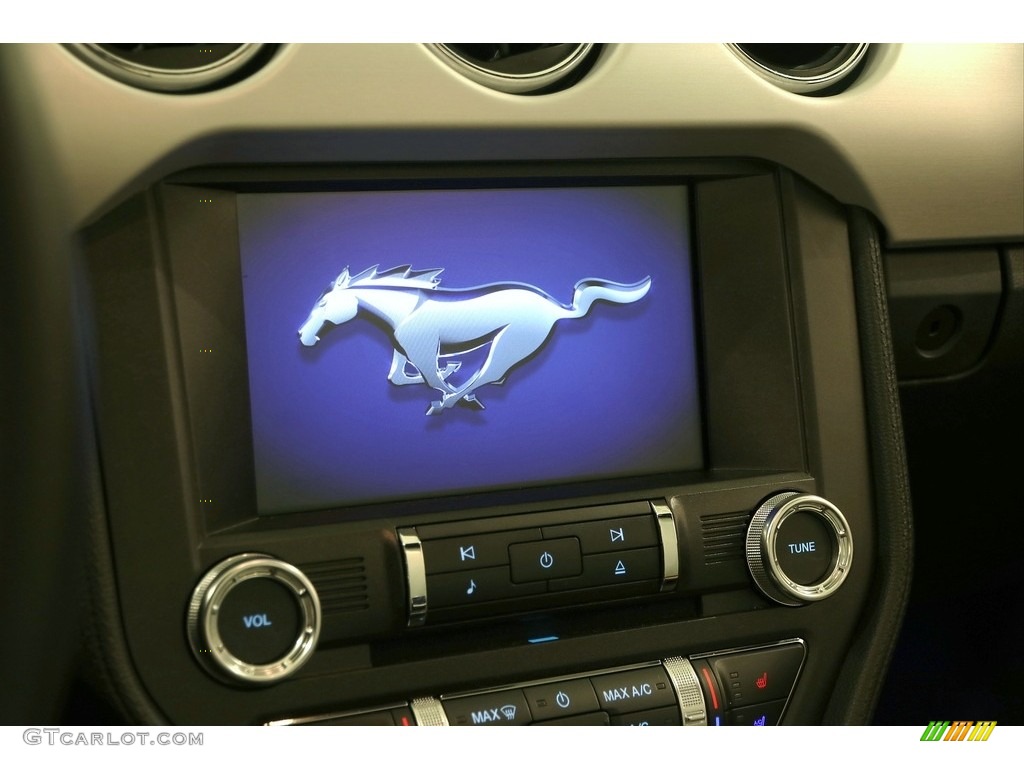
[(612, 394)]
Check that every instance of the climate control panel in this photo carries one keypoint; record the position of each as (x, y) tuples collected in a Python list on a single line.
[(749, 686)]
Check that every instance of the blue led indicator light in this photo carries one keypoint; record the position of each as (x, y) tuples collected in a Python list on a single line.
[(548, 639)]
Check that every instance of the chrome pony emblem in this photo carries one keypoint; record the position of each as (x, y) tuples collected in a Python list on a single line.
[(432, 327)]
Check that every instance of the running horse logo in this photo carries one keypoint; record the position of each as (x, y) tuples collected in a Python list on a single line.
[(431, 326)]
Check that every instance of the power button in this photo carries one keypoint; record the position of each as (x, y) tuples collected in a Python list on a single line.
[(544, 560)]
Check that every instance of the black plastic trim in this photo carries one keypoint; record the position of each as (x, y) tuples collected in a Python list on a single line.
[(857, 689)]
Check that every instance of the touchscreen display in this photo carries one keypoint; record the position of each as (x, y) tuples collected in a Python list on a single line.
[(406, 344)]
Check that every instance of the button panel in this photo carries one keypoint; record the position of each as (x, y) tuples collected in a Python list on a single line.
[(676, 691), (592, 549)]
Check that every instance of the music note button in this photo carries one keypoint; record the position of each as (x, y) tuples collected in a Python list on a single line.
[(446, 590)]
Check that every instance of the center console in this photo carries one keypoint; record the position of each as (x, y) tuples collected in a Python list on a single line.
[(551, 443)]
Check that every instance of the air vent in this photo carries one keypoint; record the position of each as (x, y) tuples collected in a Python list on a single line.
[(518, 67), (817, 69), (340, 584), (174, 67), (724, 537)]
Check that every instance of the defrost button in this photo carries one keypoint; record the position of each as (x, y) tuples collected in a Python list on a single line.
[(501, 708)]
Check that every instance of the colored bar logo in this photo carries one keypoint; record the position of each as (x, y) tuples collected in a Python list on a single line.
[(960, 730)]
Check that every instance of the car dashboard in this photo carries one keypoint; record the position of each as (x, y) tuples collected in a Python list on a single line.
[(412, 388)]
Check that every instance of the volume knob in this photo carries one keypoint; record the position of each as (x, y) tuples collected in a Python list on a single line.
[(799, 548), (253, 619)]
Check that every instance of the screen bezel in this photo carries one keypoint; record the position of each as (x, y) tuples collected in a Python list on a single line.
[(201, 262)]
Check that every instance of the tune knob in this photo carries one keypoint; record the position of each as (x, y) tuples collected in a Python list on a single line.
[(253, 619), (799, 548)]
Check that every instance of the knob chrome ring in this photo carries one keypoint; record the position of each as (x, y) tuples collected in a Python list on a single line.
[(763, 562), (203, 614)]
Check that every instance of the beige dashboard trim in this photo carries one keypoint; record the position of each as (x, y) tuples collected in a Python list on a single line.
[(930, 137)]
